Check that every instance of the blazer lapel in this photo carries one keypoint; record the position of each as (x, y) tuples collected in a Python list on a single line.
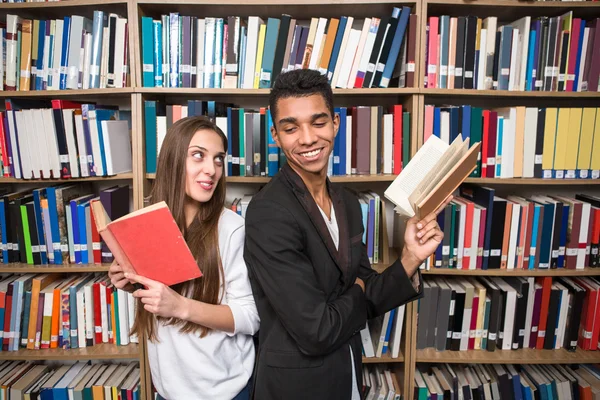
[(340, 255)]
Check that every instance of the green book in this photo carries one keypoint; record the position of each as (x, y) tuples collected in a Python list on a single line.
[(26, 234), (405, 138), (476, 136)]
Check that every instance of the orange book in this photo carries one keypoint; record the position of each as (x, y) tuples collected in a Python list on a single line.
[(546, 283), (149, 243)]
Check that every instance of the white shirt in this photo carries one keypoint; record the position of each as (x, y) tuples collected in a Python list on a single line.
[(218, 366), (334, 231)]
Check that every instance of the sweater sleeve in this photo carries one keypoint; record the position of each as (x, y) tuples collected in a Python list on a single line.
[(238, 293)]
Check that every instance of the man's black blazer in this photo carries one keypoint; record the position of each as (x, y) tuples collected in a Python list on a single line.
[(311, 310)]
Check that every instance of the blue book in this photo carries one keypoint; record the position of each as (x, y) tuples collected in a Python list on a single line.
[(336, 47), (64, 59), (395, 49), (529, 79), (437, 122), (388, 331), (342, 134), (499, 146), (576, 83), (150, 136), (466, 122), (563, 236), (148, 48), (266, 69), (38, 195), (534, 235), (39, 75), (157, 58)]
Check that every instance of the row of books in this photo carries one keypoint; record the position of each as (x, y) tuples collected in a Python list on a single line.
[(542, 54), (380, 382), (485, 231), (56, 225), (78, 381), (524, 142), (187, 51), (375, 234), (492, 313), (382, 335), (506, 381), (69, 53), (49, 311), (41, 139), (383, 137)]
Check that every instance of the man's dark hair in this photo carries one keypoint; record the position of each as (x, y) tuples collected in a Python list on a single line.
[(300, 83)]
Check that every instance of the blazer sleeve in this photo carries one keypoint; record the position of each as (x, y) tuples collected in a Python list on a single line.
[(274, 253)]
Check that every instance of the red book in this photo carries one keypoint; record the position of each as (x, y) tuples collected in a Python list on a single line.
[(97, 313), (473, 325), (148, 242), (546, 283), (96, 244), (397, 156)]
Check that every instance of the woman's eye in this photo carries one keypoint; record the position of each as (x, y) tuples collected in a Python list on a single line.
[(197, 155)]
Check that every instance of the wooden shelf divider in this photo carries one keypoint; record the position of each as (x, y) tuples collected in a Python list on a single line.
[(103, 351), (521, 356)]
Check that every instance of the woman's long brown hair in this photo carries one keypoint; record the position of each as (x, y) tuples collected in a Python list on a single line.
[(201, 235)]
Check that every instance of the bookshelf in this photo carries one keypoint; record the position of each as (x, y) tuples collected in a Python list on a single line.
[(413, 99)]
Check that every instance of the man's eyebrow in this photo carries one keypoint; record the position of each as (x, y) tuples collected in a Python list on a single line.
[(313, 118)]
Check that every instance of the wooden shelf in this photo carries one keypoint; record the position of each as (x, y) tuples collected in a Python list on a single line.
[(274, 2), (265, 92), (19, 268), (344, 179), (515, 3), (98, 352), (508, 93), (533, 181), (521, 356), (125, 176), (386, 358), (59, 4), (65, 93), (513, 272)]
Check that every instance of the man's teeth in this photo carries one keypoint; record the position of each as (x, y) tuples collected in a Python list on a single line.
[(311, 153)]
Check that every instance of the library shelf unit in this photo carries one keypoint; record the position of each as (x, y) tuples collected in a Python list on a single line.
[(413, 100)]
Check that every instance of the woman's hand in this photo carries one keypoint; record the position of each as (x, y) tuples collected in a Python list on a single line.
[(158, 298), (421, 239), (117, 277)]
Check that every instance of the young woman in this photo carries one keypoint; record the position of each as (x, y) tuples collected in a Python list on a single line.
[(199, 332)]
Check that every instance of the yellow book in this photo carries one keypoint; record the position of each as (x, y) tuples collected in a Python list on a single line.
[(549, 139), (37, 284), (573, 142), (596, 148), (24, 74), (586, 140), (560, 147), (519, 142), (259, 54)]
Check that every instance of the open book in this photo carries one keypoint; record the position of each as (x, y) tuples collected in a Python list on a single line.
[(432, 175), (148, 242)]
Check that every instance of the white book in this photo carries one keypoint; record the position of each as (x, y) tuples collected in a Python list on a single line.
[(349, 145), (12, 21), (51, 142), (117, 146), (475, 238), (522, 26), (131, 307), (529, 313), (200, 26), (40, 139), (466, 322), (581, 85), (318, 44), (47, 57), (103, 313), (119, 56), (161, 131), (89, 315), (81, 148), (80, 328), (514, 234), (369, 44), (15, 159), (71, 146), (445, 126), (251, 50), (104, 57), (95, 139), (509, 314), (489, 24), (482, 60), (346, 65), (35, 149), (531, 117), (123, 318), (54, 80), (562, 318), (508, 142), (77, 28), (388, 140), (87, 60), (359, 52), (396, 335), (514, 73), (333, 75), (24, 144), (585, 221)]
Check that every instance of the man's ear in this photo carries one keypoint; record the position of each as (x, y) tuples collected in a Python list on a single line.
[(275, 135), (336, 123)]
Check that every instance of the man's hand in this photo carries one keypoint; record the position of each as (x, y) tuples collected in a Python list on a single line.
[(421, 239), (360, 283)]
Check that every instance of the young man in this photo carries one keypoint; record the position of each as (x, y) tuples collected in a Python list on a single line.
[(309, 270)]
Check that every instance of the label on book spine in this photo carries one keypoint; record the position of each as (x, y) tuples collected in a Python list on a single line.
[(492, 336), (484, 334), (456, 335), (496, 253), (451, 70), (542, 333), (478, 333), (444, 70), (452, 304), (431, 68), (587, 334), (534, 329), (486, 253), (538, 158), (572, 252), (583, 173), (64, 248), (468, 74), (555, 253), (410, 67), (148, 68), (73, 332), (35, 249), (547, 174), (445, 250), (561, 251), (77, 247), (560, 174), (595, 174), (380, 67), (458, 72)]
